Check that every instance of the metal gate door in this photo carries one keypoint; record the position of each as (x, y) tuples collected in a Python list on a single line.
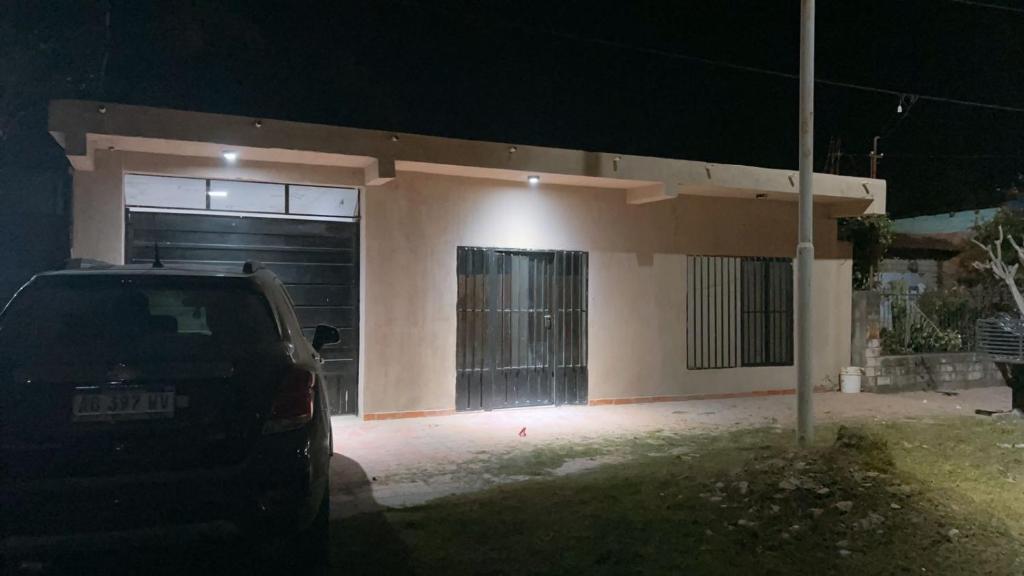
[(522, 320), (317, 261)]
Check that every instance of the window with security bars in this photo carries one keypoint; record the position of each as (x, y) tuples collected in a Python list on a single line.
[(766, 312), (739, 312)]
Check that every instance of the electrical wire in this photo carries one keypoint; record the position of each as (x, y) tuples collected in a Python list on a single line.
[(901, 115), (719, 63), (989, 5), (946, 156)]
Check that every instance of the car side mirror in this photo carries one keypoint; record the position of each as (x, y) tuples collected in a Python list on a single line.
[(325, 335)]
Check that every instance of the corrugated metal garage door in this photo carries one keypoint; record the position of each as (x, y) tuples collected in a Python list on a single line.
[(318, 261)]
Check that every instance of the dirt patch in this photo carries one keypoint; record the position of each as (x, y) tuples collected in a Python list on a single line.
[(577, 465), (898, 498)]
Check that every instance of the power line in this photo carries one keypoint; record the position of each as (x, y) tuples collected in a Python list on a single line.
[(720, 63), (901, 114), (947, 156), (989, 5)]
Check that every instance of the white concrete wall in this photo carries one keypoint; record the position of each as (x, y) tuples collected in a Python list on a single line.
[(412, 227), (637, 328), (97, 227)]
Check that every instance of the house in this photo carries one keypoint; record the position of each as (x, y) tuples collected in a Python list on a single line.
[(924, 250), (471, 275)]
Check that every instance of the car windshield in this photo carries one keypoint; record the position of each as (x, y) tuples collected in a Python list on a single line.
[(142, 318)]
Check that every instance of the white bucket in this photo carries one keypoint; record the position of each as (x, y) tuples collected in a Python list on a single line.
[(849, 379)]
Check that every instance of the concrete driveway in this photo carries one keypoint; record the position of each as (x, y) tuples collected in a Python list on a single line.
[(407, 462)]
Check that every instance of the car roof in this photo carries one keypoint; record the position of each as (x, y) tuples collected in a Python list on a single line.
[(145, 270), (89, 267)]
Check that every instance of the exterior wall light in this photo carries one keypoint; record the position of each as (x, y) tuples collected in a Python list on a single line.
[(533, 180), (230, 156), (217, 193)]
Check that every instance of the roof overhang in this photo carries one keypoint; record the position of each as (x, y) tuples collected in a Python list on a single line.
[(82, 127)]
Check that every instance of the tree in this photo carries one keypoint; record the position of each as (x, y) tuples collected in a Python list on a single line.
[(47, 50), (1006, 222), (871, 237), (997, 263)]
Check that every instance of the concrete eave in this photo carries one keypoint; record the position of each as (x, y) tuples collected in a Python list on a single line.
[(82, 127)]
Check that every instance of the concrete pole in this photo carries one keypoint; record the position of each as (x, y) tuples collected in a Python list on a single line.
[(874, 157), (805, 249)]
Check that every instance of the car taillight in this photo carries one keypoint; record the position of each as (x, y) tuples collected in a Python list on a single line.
[(293, 403)]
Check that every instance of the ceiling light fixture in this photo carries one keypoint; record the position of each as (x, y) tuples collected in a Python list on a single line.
[(230, 156), (533, 180)]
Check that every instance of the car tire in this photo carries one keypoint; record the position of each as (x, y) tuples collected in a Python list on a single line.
[(306, 552), (315, 540)]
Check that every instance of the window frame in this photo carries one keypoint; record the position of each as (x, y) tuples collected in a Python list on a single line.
[(207, 209), (721, 325), (777, 292), (210, 187)]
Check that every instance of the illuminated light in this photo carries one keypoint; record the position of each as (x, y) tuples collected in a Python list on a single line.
[(230, 156), (533, 180), (217, 193)]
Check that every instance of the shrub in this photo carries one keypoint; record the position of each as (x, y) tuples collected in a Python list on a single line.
[(871, 237), (924, 334)]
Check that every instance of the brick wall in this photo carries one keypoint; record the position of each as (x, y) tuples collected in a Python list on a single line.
[(942, 371)]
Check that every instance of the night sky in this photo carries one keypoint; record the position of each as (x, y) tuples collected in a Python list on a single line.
[(603, 76)]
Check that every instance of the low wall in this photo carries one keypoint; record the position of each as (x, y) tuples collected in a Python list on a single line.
[(937, 371), (941, 371)]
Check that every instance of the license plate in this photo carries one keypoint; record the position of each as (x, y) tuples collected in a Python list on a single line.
[(123, 406)]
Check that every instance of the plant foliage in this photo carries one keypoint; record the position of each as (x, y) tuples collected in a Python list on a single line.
[(987, 233), (871, 237), (922, 334)]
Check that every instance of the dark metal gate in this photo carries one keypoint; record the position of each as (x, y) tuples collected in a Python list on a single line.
[(522, 328), (317, 261), (766, 309)]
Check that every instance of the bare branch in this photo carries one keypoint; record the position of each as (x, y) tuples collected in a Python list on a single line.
[(999, 268)]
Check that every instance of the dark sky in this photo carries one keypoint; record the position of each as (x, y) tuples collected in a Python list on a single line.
[(602, 76)]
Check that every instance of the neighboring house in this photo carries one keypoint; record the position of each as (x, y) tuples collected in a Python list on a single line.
[(472, 275), (924, 248)]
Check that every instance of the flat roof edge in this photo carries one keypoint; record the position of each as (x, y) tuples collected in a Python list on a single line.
[(73, 122)]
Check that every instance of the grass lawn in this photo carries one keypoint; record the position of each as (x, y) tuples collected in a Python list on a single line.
[(942, 496)]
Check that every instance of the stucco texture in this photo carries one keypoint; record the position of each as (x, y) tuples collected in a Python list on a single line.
[(413, 225)]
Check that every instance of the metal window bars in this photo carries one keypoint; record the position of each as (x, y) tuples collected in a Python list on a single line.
[(1001, 338)]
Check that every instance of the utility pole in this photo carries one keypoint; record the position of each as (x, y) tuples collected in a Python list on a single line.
[(805, 248), (874, 155)]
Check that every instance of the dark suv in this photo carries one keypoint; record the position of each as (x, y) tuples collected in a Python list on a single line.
[(147, 407)]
